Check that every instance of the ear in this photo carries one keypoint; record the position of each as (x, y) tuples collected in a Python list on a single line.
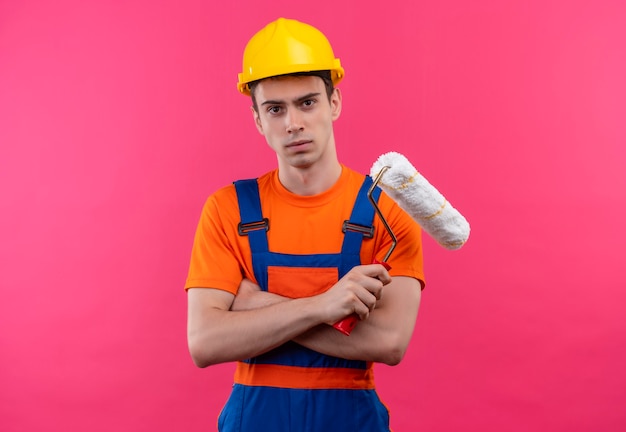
[(257, 120), (335, 104)]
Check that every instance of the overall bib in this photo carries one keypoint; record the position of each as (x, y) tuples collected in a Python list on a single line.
[(292, 388)]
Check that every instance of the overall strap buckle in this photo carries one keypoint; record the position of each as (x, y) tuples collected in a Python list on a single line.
[(367, 231), (245, 228)]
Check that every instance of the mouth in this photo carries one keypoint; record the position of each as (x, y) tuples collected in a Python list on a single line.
[(298, 144)]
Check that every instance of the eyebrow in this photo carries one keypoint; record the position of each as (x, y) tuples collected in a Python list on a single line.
[(298, 100)]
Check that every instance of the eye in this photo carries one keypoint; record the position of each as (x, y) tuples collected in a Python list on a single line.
[(308, 103), (273, 110)]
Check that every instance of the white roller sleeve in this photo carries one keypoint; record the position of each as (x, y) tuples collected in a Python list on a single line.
[(425, 204)]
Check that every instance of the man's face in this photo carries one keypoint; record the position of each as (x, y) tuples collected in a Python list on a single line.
[(296, 118)]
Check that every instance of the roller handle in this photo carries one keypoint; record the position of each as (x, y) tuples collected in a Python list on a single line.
[(347, 324)]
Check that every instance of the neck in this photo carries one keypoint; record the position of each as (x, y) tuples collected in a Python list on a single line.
[(308, 181)]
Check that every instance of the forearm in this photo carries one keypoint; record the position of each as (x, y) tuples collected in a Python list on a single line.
[(254, 322), (324, 338), (217, 336), (382, 337), (367, 342), (250, 297)]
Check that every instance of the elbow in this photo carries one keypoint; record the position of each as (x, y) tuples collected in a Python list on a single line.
[(393, 351), (393, 357), (200, 356), (200, 361)]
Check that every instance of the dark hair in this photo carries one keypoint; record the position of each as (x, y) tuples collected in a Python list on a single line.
[(324, 75)]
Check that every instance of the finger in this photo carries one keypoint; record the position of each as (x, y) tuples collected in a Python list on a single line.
[(362, 311), (376, 271), (368, 299), (377, 291), (374, 287)]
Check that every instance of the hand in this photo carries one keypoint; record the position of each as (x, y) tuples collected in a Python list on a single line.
[(357, 292)]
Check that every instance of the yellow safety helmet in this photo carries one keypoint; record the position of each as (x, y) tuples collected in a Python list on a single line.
[(287, 46)]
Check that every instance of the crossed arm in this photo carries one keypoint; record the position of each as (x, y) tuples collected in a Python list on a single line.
[(222, 327)]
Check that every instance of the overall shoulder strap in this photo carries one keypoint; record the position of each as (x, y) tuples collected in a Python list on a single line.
[(360, 225), (253, 224)]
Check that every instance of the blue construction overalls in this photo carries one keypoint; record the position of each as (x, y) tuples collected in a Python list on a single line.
[(352, 405)]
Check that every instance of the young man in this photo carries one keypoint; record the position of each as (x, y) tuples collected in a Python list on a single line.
[(278, 260)]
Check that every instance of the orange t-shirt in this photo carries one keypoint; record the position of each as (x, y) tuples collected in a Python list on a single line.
[(221, 257)]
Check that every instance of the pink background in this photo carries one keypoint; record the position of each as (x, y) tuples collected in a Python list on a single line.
[(117, 119)]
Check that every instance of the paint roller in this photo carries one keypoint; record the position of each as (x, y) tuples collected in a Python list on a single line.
[(422, 201)]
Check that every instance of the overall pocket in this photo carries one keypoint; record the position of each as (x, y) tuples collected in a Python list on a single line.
[(297, 282)]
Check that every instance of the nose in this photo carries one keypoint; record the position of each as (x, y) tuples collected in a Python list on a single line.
[(294, 121)]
